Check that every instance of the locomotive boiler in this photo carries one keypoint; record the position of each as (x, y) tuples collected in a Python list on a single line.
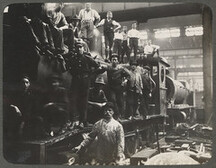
[(179, 98), (177, 91)]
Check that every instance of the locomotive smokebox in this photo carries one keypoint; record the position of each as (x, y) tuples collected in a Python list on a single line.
[(177, 92)]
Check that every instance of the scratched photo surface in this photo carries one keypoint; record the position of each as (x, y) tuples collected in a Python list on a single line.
[(107, 83)]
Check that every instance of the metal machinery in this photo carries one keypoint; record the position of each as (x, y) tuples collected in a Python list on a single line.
[(57, 149), (180, 107)]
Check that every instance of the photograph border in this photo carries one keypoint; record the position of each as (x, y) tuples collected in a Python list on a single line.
[(210, 3)]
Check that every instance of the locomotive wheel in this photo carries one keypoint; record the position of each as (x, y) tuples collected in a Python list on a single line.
[(131, 145)]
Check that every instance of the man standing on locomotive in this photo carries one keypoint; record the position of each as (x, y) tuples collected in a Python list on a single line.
[(133, 39), (134, 91), (110, 138), (60, 28), (150, 49), (109, 30), (117, 76), (80, 65), (97, 99), (125, 45), (89, 18)]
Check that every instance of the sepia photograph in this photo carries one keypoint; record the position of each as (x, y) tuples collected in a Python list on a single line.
[(98, 83)]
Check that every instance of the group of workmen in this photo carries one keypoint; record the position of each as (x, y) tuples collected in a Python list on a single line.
[(123, 92), (117, 40)]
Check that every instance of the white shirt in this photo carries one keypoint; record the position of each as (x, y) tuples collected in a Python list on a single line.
[(110, 141), (118, 36), (125, 35), (102, 22), (149, 49), (133, 33), (90, 15)]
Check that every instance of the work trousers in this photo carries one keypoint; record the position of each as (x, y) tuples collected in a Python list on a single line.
[(125, 50), (117, 48), (133, 42), (63, 36), (144, 102), (108, 43), (79, 93), (132, 99), (87, 28), (116, 97)]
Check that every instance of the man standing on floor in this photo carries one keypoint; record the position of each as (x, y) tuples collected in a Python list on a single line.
[(133, 39), (88, 17), (110, 138), (110, 26)]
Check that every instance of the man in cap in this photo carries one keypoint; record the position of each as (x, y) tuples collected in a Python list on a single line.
[(134, 91), (55, 108), (75, 25), (148, 86), (116, 75), (110, 26), (110, 138), (18, 107), (97, 99), (75, 22), (89, 18), (80, 65)]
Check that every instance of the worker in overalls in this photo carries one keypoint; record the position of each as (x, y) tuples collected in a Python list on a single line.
[(89, 18)]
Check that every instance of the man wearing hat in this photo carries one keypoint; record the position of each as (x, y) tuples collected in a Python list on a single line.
[(148, 86), (134, 90), (80, 65), (133, 39), (116, 75), (96, 100), (55, 105), (75, 25), (110, 138)]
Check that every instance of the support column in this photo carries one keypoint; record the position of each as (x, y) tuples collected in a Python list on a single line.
[(207, 63)]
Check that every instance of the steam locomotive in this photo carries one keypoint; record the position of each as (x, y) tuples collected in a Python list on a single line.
[(169, 105)]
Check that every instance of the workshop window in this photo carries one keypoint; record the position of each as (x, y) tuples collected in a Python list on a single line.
[(194, 31), (143, 35), (167, 33)]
